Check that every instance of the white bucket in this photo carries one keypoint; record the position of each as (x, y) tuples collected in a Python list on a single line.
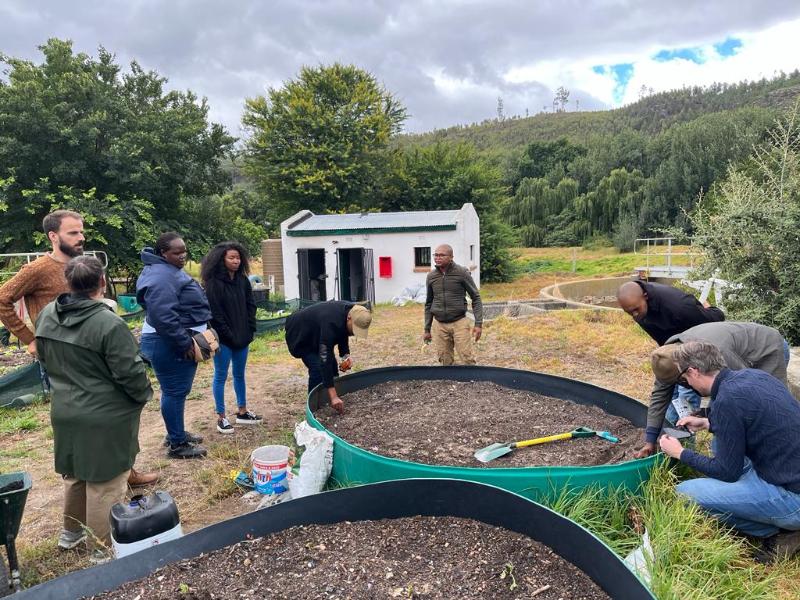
[(270, 469)]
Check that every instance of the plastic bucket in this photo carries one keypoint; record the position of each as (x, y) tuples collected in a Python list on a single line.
[(270, 469)]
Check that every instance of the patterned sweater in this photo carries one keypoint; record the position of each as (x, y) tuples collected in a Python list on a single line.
[(752, 415), (38, 283)]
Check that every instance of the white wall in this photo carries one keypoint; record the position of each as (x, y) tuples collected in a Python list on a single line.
[(398, 246)]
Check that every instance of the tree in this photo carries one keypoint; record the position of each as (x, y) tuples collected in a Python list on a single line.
[(561, 99), (76, 132), (445, 176), (749, 229), (318, 141)]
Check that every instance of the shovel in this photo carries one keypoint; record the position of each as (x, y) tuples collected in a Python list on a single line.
[(497, 450)]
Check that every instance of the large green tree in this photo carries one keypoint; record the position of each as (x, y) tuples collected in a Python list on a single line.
[(76, 132), (444, 176), (318, 141)]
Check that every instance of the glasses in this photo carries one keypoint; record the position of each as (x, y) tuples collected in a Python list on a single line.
[(682, 377), (441, 255)]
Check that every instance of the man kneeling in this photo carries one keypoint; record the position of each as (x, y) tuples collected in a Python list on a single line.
[(753, 479)]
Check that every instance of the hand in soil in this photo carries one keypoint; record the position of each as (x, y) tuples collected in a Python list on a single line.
[(647, 450), (337, 405)]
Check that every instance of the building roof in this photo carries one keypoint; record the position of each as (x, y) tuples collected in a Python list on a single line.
[(360, 223)]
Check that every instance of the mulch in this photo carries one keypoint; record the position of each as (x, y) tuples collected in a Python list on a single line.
[(416, 557), (445, 422)]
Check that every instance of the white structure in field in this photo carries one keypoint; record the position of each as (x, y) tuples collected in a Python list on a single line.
[(372, 256)]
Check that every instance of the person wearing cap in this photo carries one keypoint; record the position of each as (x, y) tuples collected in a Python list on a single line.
[(743, 345), (752, 481), (663, 311), (312, 333), (446, 323)]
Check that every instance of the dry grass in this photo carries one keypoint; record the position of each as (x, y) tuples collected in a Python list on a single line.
[(604, 348)]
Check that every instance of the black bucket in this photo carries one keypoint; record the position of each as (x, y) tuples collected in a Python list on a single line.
[(388, 500)]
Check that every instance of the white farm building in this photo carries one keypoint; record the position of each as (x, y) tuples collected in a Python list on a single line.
[(371, 256)]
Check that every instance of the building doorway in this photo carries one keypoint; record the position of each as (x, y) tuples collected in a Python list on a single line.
[(311, 274), (355, 274)]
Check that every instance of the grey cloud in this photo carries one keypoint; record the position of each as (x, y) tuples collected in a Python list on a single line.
[(228, 51)]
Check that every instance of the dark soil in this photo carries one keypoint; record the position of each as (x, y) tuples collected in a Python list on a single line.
[(445, 422), (418, 557)]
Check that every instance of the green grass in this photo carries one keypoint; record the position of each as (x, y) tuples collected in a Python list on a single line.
[(693, 556), (13, 421)]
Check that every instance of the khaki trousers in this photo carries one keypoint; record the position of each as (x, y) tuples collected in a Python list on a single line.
[(456, 335), (88, 504)]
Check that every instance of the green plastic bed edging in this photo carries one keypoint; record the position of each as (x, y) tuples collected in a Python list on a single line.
[(353, 465)]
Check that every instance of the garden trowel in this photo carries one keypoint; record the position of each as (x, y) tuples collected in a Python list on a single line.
[(497, 450)]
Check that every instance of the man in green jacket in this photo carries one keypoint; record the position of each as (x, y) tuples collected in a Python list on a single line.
[(446, 308), (99, 388)]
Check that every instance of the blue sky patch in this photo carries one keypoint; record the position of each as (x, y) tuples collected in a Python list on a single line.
[(729, 47), (621, 73), (692, 54)]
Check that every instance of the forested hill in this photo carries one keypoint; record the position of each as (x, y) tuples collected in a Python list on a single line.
[(651, 115)]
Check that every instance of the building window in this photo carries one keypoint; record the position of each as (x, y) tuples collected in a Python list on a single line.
[(472, 253), (422, 257)]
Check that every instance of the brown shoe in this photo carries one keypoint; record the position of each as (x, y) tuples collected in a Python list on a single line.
[(137, 479)]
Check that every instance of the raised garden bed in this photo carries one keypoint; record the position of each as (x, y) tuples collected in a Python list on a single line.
[(352, 464), (291, 563), (444, 422), (413, 557)]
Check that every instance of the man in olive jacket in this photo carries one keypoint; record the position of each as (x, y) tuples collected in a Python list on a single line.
[(99, 388), (446, 307)]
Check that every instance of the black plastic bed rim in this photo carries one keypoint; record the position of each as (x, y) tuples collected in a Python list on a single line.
[(388, 500)]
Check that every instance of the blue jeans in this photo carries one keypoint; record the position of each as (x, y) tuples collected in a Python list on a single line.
[(750, 504), (175, 375), (315, 370), (683, 392), (222, 359)]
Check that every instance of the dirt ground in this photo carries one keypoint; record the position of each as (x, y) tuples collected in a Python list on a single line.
[(418, 557), (444, 422), (604, 348)]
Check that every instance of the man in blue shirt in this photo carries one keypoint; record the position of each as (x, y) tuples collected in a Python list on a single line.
[(753, 479)]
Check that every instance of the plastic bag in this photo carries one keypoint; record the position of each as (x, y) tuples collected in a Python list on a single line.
[(315, 463), (637, 560), (413, 293)]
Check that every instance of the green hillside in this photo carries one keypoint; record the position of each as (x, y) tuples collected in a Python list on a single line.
[(650, 115)]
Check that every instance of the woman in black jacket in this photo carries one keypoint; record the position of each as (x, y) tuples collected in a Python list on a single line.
[(233, 315)]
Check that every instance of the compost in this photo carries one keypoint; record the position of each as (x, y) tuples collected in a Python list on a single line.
[(444, 422), (415, 557)]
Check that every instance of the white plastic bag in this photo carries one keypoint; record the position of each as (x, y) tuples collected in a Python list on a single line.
[(637, 560), (315, 463)]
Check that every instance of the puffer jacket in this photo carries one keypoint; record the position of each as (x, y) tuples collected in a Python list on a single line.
[(447, 296), (172, 300)]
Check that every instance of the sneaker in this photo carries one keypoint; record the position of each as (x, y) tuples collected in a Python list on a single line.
[(190, 437), (224, 426), (247, 418), (69, 539), (186, 450), (99, 557), (780, 546)]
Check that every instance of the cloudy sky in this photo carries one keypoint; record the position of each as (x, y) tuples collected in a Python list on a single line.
[(448, 61)]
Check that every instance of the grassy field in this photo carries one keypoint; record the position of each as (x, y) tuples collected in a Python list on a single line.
[(693, 557)]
